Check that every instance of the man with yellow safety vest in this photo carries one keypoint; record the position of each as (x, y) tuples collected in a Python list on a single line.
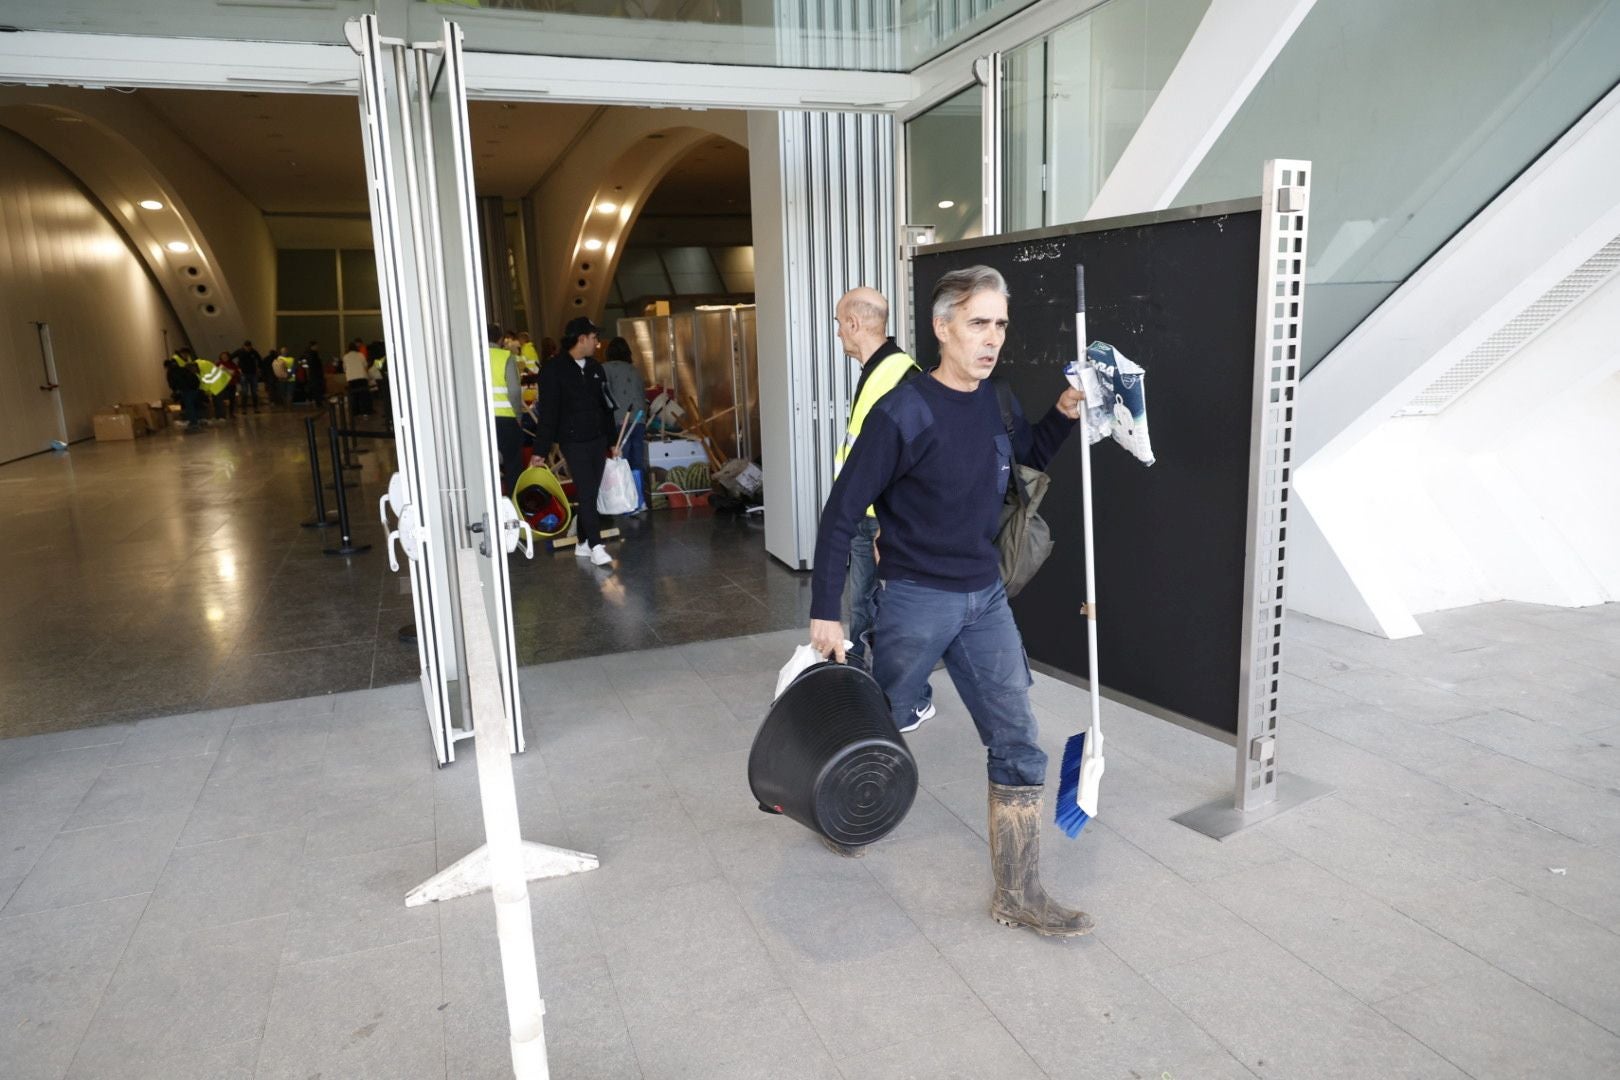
[(529, 360), (506, 400), (529, 354), (863, 316), (214, 380)]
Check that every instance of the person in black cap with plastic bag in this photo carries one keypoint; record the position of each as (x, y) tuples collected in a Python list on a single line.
[(576, 413)]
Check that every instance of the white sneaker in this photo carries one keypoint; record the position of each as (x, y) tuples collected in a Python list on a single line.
[(918, 716), (600, 556), (583, 551)]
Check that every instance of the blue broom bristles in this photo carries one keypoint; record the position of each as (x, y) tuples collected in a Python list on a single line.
[(1070, 818)]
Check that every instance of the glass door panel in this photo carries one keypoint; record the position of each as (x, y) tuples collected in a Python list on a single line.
[(464, 351)]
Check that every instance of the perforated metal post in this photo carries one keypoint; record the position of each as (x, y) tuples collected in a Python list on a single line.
[(1284, 205), (1262, 790)]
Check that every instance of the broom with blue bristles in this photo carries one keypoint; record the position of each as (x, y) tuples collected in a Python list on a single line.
[(1080, 778)]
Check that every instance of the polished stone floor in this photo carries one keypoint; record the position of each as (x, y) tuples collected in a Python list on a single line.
[(171, 574), (218, 895)]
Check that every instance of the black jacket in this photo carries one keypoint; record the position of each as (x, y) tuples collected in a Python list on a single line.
[(575, 405), (183, 377)]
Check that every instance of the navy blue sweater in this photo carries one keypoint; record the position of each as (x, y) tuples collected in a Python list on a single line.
[(935, 463)]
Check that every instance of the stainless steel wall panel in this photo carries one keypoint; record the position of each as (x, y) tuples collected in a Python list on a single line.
[(63, 262), (748, 372)]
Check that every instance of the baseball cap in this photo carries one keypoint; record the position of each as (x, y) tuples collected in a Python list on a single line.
[(580, 327)]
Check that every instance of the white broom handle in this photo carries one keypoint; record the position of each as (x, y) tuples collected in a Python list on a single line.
[(1085, 498)]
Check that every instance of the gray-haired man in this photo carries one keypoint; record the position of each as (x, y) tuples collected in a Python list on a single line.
[(934, 460)]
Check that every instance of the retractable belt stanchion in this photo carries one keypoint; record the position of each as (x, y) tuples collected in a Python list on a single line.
[(320, 521), (336, 420), (349, 547), (347, 412)]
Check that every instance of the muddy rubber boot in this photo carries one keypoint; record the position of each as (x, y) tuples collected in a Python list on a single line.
[(1015, 859), (845, 850)]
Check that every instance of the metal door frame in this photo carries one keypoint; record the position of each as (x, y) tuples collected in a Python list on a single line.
[(433, 599), (53, 380), (448, 172)]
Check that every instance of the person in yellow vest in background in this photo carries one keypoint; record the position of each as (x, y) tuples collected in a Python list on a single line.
[(531, 355), (863, 316), (214, 380), (506, 401)]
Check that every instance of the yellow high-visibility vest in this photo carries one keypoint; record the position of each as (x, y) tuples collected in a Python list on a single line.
[(497, 380), (213, 377), (885, 377), (531, 358)]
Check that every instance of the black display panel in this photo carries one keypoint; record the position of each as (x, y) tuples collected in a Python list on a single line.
[(1177, 294)]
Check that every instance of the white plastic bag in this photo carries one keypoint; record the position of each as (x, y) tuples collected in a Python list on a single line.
[(618, 494), (1116, 398), (803, 657)]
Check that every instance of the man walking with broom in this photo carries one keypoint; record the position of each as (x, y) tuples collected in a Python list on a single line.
[(934, 459)]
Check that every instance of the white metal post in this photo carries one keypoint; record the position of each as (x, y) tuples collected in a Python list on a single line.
[(498, 795), (988, 71)]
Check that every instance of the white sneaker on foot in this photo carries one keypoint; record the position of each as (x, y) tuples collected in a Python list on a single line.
[(582, 551), (918, 716), (600, 556)]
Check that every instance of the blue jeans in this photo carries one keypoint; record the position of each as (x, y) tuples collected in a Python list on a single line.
[(862, 587), (976, 635), (863, 590), (635, 452)]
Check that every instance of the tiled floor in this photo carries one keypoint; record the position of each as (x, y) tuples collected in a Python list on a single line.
[(219, 894), (171, 574)]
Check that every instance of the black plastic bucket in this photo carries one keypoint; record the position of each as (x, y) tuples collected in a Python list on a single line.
[(828, 756)]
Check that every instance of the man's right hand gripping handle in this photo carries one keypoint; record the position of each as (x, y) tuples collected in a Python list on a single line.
[(827, 638)]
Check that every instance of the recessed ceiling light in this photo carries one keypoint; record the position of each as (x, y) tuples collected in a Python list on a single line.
[(593, 245), (607, 207), (946, 204), (151, 204), (179, 247)]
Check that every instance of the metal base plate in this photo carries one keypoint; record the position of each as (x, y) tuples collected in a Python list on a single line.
[(1221, 819)]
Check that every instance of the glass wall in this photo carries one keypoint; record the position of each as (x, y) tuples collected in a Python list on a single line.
[(929, 28), (857, 35), (328, 297), (684, 276), (1023, 137), (1074, 99), (1415, 117), (320, 22), (943, 168)]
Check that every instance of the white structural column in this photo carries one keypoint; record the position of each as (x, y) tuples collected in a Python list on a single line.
[(1233, 46), (1548, 222), (823, 197)]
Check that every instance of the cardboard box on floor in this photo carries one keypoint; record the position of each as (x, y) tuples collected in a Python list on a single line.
[(152, 412), (116, 426)]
